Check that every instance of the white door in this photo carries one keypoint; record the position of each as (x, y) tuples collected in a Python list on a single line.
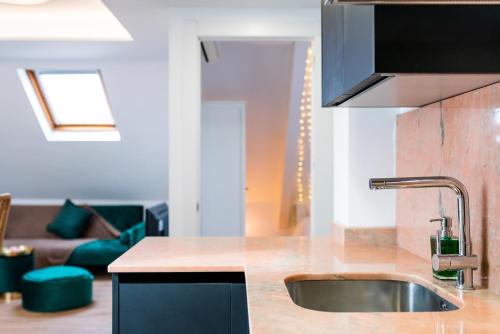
[(223, 169)]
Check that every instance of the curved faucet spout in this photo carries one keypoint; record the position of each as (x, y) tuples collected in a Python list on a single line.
[(465, 249), (420, 182)]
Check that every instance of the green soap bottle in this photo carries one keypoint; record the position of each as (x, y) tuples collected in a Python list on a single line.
[(443, 242)]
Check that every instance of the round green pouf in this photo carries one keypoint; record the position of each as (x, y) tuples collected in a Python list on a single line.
[(56, 289)]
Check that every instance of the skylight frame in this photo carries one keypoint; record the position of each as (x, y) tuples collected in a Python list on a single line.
[(65, 132), (44, 103)]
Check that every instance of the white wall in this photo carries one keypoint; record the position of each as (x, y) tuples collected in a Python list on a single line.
[(134, 169), (364, 147), (341, 164), (322, 163)]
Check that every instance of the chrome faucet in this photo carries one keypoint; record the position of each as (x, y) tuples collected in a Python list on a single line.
[(464, 261)]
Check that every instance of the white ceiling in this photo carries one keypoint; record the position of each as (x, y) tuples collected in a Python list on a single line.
[(245, 3), (146, 21)]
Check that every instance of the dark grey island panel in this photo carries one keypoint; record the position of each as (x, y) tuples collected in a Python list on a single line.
[(188, 303)]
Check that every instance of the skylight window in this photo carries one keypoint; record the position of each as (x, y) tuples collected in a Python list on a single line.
[(70, 106), (76, 99)]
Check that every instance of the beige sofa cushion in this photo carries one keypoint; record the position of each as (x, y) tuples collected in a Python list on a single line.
[(30, 222), (49, 252)]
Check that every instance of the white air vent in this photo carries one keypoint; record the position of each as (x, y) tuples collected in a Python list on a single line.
[(210, 51)]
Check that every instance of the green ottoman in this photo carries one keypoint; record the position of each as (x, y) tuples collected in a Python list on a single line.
[(56, 288)]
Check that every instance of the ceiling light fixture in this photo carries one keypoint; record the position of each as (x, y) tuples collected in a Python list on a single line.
[(24, 2), (59, 20)]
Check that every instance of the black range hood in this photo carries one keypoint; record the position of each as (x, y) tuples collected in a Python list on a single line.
[(407, 55)]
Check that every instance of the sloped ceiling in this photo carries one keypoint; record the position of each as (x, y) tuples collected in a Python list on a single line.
[(135, 74), (136, 78), (133, 169)]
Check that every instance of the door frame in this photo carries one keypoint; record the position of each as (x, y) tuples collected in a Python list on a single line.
[(239, 107), (187, 27)]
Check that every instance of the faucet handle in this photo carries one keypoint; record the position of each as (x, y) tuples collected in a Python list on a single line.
[(442, 262)]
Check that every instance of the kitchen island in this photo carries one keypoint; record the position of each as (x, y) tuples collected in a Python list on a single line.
[(252, 271)]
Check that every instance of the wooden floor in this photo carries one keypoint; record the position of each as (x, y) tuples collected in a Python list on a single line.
[(93, 319)]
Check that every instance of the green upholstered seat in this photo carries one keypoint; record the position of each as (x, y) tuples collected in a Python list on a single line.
[(103, 252), (97, 253), (56, 289)]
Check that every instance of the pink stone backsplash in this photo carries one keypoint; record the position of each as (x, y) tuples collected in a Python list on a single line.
[(458, 137)]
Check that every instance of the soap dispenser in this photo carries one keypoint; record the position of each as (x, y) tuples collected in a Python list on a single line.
[(443, 242)]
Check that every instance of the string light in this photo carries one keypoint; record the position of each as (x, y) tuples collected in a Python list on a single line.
[(303, 178)]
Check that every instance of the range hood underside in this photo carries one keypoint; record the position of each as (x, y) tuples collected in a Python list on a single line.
[(417, 90)]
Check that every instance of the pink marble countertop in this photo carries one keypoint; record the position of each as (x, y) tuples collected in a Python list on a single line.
[(268, 261)]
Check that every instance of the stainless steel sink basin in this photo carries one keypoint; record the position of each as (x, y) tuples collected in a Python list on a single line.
[(364, 295)]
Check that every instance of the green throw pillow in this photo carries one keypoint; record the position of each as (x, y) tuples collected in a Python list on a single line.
[(70, 222)]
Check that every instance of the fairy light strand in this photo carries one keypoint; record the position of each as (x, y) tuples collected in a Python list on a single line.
[(304, 138)]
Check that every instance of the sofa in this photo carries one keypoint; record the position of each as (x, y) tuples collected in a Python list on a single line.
[(27, 225)]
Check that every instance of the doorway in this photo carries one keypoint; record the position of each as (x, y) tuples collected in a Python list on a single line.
[(273, 79), (186, 29)]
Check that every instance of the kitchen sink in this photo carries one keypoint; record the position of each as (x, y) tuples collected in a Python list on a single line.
[(364, 295)]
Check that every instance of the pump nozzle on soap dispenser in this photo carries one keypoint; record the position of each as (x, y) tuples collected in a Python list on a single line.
[(444, 243)]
